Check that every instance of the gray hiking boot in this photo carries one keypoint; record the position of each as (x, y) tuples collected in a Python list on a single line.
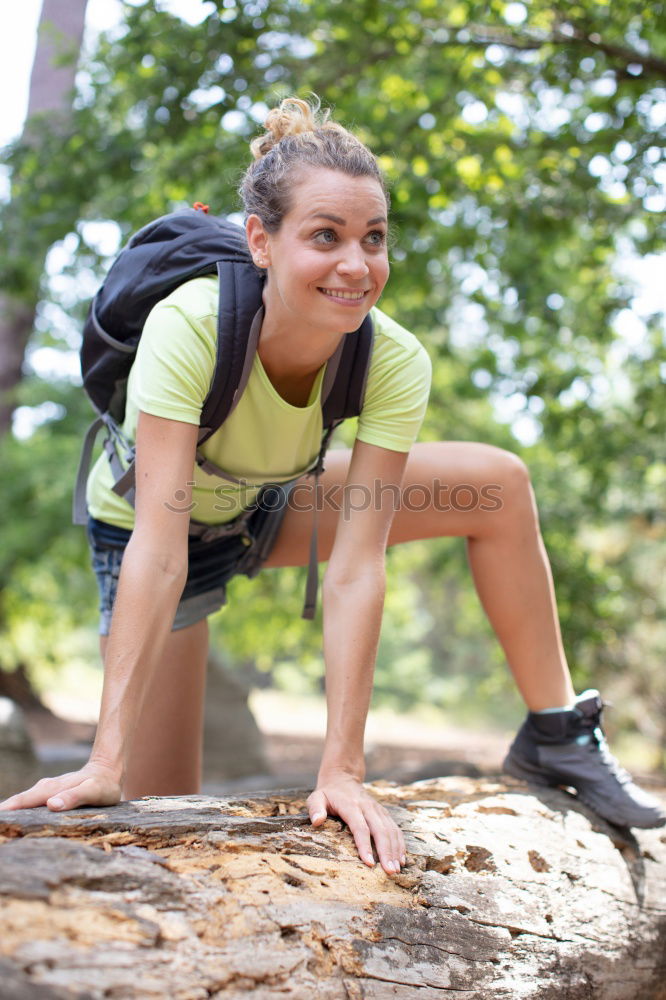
[(569, 748)]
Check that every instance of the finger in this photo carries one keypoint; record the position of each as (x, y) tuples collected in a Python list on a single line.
[(396, 848), (88, 791), (396, 842), (10, 803), (34, 796), (318, 808), (402, 847), (399, 843), (385, 834), (384, 844), (399, 847), (361, 834)]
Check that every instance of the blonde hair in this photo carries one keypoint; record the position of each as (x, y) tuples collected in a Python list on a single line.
[(299, 134)]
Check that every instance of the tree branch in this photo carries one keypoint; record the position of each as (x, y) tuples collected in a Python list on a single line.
[(565, 34), (627, 55)]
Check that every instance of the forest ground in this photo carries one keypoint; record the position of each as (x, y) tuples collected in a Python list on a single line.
[(400, 747)]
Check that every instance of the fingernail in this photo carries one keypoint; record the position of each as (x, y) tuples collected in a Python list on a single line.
[(368, 858), (56, 803), (403, 860), (318, 816), (396, 865)]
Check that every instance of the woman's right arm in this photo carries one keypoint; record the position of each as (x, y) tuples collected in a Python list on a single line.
[(152, 577)]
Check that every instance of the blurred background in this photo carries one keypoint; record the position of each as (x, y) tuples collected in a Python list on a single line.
[(524, 146)]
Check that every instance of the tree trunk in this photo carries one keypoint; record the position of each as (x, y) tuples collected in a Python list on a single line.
[(60, 34), (17, 318), (19, 767), (507, 893), (16, 686), (233, 744), (59, 40)]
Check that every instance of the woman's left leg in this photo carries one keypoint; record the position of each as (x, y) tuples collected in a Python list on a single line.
[(491, 493), (483, 494)]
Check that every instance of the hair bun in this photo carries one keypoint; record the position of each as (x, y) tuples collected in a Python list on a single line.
[(292, 117), (299, 136)]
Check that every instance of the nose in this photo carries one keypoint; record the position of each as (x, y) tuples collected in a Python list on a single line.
[(352, 261)]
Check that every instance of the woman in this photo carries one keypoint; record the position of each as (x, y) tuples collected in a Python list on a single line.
[(316, 210)]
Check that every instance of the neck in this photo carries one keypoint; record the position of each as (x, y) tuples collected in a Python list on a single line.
[(292, 352), (292, 358)]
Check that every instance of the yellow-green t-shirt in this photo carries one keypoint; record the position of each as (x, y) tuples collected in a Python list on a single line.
[(265, 439)]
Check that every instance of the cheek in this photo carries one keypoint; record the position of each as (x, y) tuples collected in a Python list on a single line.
[(382, 271), (307, 262)]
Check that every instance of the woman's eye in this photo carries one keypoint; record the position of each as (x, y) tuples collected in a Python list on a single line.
[(376, 238), (324, 236)]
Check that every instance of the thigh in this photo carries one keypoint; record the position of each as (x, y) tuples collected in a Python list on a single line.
[(450, 488)]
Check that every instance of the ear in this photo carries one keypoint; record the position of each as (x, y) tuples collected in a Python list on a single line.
[(258, 241)]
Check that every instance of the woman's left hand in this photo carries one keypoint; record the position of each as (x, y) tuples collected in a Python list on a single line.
[(344, 796)]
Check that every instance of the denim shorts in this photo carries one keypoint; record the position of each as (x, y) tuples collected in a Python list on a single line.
[(223, 551)]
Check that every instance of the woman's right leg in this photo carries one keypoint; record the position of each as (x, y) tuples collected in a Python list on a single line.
[(166, 751)]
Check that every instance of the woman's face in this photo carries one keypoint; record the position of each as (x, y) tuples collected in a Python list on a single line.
[(328, 263)]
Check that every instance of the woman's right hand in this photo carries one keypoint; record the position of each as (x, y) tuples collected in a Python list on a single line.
[(94, 785)]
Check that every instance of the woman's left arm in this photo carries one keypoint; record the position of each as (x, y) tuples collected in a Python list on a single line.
[(353, 599)]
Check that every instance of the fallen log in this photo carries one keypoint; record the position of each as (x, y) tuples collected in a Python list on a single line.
[(508, 892)]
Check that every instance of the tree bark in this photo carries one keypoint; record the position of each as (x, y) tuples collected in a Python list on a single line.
[(507, 893)]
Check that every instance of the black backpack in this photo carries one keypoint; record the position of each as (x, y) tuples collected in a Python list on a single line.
[(157, 259)]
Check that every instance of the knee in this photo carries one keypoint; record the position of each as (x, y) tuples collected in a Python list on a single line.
[(513, 478), (511, 469)]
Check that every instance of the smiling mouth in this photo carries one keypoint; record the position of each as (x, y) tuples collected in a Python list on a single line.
[(338, 293)]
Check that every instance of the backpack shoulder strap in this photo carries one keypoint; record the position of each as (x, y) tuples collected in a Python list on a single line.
[(343, 392), (342, 396), (238, 327)]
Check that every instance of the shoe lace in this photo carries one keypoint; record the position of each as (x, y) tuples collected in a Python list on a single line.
[(599, 745)]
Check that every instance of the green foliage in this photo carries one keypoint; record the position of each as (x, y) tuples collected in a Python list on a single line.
[(522, 157), (49, 592)]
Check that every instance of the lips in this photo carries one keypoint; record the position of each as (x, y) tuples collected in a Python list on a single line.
[(346, 294)]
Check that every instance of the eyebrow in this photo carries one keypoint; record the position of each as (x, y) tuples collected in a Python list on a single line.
[(341, 222)]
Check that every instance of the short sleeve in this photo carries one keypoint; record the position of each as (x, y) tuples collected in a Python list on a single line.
[(175, 360), (396, 396)]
